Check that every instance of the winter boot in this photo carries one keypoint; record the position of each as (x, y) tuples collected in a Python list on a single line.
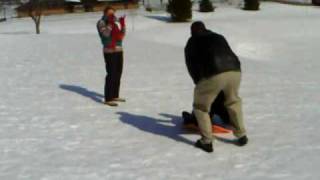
[(119, 99), (206, 147), (242, 141), (111, 103)]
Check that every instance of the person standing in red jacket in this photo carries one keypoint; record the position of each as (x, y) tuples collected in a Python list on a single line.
[(112, 31)]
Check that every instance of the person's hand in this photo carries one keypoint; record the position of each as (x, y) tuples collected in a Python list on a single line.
[(111, 19), (122, 21)]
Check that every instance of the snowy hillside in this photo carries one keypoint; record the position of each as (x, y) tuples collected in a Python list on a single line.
[(53, 125)]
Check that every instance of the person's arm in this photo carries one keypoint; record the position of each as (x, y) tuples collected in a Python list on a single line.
[(122, 21), (104, 29), (190, 59), (224, 40), (230, 51)]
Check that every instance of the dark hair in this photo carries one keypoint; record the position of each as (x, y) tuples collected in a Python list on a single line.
[(197, 27), (107, 9)]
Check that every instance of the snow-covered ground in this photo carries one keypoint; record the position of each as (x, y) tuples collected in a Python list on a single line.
[(54, 127)]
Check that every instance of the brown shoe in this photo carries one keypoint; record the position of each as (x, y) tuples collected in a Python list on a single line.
[(111, 103), (119, 99)]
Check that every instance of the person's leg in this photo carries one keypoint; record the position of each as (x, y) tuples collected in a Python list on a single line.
[(189, 118), (233, 102), (110, 77), (119, 69), (204, 94), (107, 78)]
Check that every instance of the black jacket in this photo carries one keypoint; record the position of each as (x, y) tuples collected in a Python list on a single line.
[(209, 54)]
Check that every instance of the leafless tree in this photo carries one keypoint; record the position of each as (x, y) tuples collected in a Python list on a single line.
[(35, 10)]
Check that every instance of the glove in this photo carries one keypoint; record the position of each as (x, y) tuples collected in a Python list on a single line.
[(122, 21)]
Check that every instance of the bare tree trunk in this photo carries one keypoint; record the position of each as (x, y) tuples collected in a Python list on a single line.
[(37, 20), (35, 12), (38, 24), (4, 13), (38, 28)]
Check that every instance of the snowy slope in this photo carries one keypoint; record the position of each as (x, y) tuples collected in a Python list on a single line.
[(54, 127)]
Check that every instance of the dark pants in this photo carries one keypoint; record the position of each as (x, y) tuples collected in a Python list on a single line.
[(114, 66)]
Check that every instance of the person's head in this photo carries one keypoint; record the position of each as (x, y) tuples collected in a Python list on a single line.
[(108, 11), (197, 27)]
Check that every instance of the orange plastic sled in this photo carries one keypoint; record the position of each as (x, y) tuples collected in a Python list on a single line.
[(215, 129)]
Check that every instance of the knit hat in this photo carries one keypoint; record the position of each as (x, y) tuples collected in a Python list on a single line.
[(197, 27)]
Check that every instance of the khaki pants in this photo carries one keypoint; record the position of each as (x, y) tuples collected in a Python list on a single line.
[(205, 93)]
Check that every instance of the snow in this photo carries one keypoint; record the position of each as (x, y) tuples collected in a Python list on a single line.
[(53, 125)]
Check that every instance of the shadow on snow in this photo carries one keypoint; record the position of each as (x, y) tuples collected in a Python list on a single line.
[(171, 128), (83, 92)]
